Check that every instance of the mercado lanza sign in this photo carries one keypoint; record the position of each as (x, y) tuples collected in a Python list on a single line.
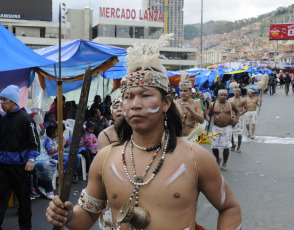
[(127, 14)]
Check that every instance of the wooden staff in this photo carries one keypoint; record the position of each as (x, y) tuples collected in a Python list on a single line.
[(72, 156), (60, 112)]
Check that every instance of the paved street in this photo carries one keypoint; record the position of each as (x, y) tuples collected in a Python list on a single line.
[(262, 176)]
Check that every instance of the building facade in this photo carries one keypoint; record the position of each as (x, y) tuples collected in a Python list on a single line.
[(120, 33), (175, 17)]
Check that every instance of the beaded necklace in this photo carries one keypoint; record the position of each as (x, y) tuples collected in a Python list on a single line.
[(138, 217), (149, 149)]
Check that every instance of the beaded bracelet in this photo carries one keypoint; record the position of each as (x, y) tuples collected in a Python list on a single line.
[(70, 219)]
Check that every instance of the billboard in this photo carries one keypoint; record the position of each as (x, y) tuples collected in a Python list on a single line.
[(281, 32), (39, 10)]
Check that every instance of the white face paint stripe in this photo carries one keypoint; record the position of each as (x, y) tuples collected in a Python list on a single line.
[(125, 114), (149, 110), (176, 175), (119, 176), (239, 227), (223, 192)]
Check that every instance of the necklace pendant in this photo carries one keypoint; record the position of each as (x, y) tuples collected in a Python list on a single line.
[(125, 214), (138, 179)]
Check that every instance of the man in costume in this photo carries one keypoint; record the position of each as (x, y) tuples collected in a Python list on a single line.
[(251, 115), (220, 112), (241, 104), (190, 109), (153, 177)]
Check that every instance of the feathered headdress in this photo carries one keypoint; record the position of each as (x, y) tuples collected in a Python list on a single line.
[(144, 67), (184, 83)]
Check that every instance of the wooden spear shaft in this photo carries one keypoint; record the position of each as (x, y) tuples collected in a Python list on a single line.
[(79, 121), (60, 112)]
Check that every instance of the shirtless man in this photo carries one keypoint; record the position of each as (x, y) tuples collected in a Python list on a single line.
[(221, 110), (164, 197), (190, 109), (241, 104), (108, 135), (251, 115)]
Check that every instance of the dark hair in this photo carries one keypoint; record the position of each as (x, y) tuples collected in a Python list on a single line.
[(50, 130), (94, 110), (47, 114), (97, 97), (174, 123), (90, 124)]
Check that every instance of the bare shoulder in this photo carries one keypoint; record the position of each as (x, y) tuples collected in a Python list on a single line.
[(95, 186)]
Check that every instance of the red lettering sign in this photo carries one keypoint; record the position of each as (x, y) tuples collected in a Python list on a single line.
[(117, 13)]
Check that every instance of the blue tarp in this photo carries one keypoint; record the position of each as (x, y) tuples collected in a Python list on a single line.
[(16, 60), (76, 56)]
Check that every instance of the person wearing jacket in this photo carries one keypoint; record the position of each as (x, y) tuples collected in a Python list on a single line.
[(19, 147), (287, 81)]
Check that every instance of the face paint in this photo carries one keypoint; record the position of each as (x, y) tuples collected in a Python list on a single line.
[(176, 175), (116, 173), (223, 192), (152, 111), (239, 227), (125, 114)]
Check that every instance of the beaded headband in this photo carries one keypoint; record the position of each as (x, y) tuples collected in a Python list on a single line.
[(223, 91), (251, 90), (237, 89), (144, 66), (184, 83), (145, 78)]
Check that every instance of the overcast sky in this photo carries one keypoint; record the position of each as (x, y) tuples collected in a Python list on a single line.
[(229, 10)]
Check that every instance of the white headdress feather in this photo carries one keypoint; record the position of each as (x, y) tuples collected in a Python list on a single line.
[(144, 57)]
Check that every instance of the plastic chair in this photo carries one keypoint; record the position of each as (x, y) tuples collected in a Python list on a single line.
[(83, 163), (70, 123)]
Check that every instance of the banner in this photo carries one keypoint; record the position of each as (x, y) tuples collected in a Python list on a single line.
[(281, 32)]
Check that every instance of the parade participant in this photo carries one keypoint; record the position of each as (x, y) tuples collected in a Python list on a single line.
[(19, 147), (190, 109), (108, 135), (241, 104), (251, 115), (164, 194), (221, 112)]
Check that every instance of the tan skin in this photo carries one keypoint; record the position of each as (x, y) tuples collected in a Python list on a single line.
[(252, 103), (222, 118), (241, 104), (190, 111), (9, 106), (170, 207), (110, 131)]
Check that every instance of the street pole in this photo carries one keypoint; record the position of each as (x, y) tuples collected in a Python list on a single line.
[(165, 16), (201, 33), (60, 113)]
